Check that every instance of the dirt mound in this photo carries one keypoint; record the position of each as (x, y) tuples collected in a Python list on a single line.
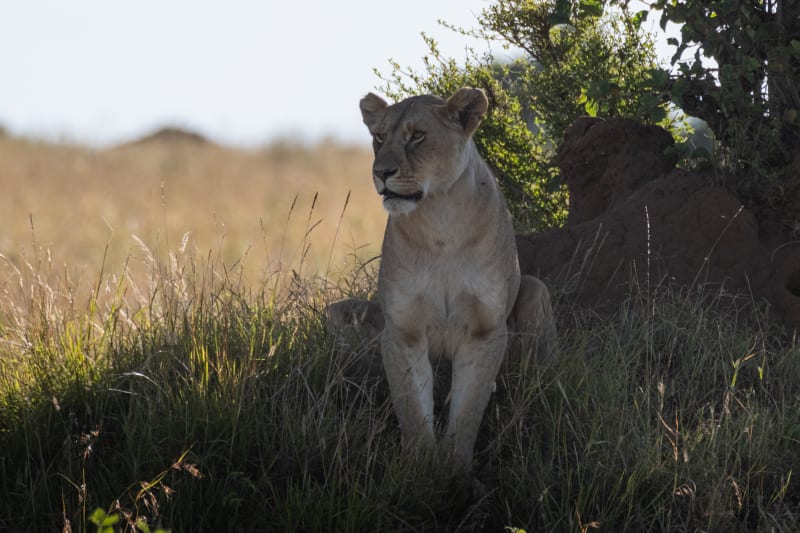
[(638, 223), (172, 135)]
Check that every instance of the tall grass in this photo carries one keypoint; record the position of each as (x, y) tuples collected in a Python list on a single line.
[(199, 403)]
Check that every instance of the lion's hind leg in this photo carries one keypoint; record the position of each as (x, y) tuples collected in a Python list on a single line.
[(532, 320), (353, 317)]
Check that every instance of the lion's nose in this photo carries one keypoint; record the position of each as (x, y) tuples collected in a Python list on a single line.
[(384, 174)]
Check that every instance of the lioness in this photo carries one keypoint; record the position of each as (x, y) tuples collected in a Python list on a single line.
[(449, 276)]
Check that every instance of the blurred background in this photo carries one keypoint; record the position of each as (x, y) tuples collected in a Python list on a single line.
[(241, 72), (137, 130), (231, 131)]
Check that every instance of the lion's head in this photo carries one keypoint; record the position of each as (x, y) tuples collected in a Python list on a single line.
[(420, 144)]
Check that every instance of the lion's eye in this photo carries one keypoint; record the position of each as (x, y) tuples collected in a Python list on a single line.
[(379, 138), (417, 136)]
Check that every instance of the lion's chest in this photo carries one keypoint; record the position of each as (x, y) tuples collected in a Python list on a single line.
[(443, 303)]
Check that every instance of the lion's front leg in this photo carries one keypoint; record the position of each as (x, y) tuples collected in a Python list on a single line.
[(410, 377), (475, 368)]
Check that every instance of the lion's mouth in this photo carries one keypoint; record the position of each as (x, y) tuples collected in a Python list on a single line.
[(413, 197)]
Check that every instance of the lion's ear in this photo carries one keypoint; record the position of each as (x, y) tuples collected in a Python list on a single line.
[(467, 106), (371, 106)]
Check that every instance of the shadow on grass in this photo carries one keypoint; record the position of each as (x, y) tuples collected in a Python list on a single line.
[(196, 403)]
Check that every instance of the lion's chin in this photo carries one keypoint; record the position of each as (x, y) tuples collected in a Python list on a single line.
[(395, 206), (401, 204)]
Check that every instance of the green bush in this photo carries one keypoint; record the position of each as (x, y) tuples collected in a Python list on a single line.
[(576, 59), (743, 79), (592, 57)]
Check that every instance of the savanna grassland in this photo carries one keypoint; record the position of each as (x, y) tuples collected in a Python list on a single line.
[(183, 379), (76, 208)]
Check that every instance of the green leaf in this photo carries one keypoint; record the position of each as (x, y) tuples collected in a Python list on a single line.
[(646, 104), (97, 517), (657, 114), (103, 521), (640, 17), (592, 107), (678, 88), (795, 47), (752, 63), (590, 8), (663, 21), (602, 88), (560, 14), (727, 73), (658, 78), (678, 53), (726, 7)]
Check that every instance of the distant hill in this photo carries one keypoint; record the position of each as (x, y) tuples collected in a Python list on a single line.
[(171, 134)]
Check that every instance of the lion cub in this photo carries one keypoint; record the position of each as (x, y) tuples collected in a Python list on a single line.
[(449, 276)]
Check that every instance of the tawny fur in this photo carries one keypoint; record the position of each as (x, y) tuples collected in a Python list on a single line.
[(449, 278)]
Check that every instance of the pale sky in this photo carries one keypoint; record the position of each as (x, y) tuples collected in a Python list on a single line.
[(239, 71)]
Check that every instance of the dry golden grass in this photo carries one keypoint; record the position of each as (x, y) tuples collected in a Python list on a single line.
[(61, 206)]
